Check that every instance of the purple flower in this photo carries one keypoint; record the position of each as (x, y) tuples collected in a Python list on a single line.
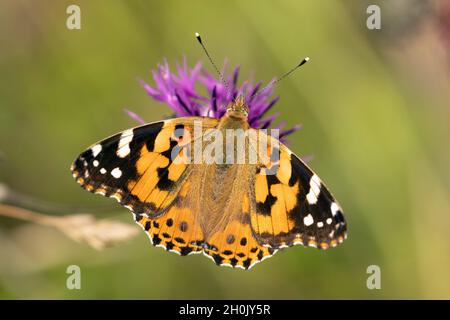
[(180, 92)]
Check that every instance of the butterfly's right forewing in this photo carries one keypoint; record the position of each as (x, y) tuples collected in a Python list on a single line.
[(290, 205)]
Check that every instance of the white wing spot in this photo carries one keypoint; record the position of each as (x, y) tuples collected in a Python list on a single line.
[(116, 173), (96, 149), (329, 221), (335, 208), (311, 197), (124, 144), (314, 191), (308, 220), (95, 163), (102, 170), (320, 224)]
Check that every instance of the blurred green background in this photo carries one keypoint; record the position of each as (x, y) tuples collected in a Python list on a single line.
[(375, 109)]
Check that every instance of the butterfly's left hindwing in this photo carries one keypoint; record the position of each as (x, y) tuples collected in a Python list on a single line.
[(135, 166)]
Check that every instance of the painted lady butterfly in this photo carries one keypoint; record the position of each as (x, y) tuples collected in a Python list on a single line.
[(236, 214)]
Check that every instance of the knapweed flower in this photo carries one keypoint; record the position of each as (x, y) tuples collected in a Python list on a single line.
[(180, 91)]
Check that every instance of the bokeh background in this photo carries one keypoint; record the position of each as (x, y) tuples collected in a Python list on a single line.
[(374, 105)]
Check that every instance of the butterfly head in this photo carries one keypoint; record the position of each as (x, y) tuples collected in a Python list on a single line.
[(238, 108)]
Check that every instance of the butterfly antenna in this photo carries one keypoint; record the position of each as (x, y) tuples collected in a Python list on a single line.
[(273, 82), (199, 39)]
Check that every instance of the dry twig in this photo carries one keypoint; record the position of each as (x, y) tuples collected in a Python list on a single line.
[(81, 227)]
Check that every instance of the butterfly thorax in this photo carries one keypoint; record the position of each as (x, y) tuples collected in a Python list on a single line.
[(233, 126)]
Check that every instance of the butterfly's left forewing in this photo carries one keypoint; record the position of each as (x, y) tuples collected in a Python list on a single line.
[(136, 166)]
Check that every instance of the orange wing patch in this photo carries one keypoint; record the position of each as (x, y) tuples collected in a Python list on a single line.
[(147, 166)]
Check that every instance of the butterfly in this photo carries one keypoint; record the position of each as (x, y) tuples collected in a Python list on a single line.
[(236, 213)]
